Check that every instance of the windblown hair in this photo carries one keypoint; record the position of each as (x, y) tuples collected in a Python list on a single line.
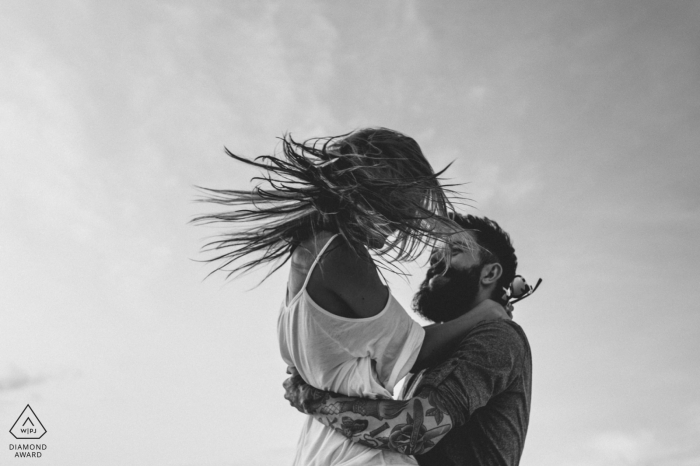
[(370, 184), (494, 245)]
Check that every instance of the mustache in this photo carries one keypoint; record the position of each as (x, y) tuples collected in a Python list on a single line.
[(440, 271)]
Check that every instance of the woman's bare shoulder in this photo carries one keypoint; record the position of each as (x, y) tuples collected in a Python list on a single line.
[(343, 259), (338, 263), (345, 280), (352, 276), (307, 251)]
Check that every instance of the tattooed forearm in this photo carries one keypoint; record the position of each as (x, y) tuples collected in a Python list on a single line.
[(378, 409), (410, 427)]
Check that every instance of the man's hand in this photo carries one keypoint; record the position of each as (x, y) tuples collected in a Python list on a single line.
[(292, 391), (303, 397)]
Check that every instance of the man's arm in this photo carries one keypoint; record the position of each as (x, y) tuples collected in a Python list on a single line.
[(485, 364), (411, 427)]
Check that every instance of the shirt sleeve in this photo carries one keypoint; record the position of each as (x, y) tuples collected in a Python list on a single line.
[(488, 360)]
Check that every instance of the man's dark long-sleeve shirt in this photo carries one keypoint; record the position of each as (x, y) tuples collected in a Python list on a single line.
[(485, 387)]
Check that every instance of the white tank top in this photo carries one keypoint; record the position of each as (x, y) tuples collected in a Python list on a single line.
[(362, 357)]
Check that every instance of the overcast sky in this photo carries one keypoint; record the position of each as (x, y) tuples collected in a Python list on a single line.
[(575, 124)]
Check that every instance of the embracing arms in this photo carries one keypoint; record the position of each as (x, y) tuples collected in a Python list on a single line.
[(486, 364), (411, 427)]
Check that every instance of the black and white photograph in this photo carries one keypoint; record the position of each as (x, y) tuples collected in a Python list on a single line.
[(358, 233)]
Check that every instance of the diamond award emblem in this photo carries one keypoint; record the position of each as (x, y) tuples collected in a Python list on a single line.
[(28, 426)]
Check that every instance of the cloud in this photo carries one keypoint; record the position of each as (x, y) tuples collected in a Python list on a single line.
[(623, 448), (477, 94), (500, 184), (14, 378), (638, 448)]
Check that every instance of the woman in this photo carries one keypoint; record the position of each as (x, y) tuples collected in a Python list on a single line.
[(329, 202)]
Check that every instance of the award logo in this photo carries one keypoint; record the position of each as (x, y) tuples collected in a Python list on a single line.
[(28, 426)]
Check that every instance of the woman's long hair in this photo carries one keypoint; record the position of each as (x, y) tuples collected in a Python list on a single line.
[(368, 185)]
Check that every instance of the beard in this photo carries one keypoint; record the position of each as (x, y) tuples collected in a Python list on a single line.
[(450, 295)]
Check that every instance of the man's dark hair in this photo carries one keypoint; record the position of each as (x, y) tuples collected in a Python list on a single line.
[(494, 246)]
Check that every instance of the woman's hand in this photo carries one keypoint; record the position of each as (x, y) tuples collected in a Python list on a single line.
[(509, 310)]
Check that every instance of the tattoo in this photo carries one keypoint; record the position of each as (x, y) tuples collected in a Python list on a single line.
[(410, 437), (438, 411), (315, 401), (379, 430), (369, 439), (390, 410), (366, 408), (379, 442), (351, 427), (378, 409)]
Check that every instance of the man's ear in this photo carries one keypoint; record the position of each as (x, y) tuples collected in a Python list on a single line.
[(490, 273)]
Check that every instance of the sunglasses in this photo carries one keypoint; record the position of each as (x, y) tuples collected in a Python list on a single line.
[(519, 289)]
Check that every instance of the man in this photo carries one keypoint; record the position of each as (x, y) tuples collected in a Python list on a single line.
[(472, 408)]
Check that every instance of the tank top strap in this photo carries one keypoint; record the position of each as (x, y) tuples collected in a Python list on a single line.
[(316, 260)]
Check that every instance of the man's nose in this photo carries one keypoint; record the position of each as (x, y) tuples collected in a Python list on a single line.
[(437, 268)]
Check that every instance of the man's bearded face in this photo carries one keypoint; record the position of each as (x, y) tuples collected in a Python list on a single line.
[(445, 297)]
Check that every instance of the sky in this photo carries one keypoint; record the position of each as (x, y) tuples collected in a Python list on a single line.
[(575, 125)]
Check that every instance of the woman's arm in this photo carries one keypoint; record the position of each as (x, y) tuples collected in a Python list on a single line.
[(411, 427)]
